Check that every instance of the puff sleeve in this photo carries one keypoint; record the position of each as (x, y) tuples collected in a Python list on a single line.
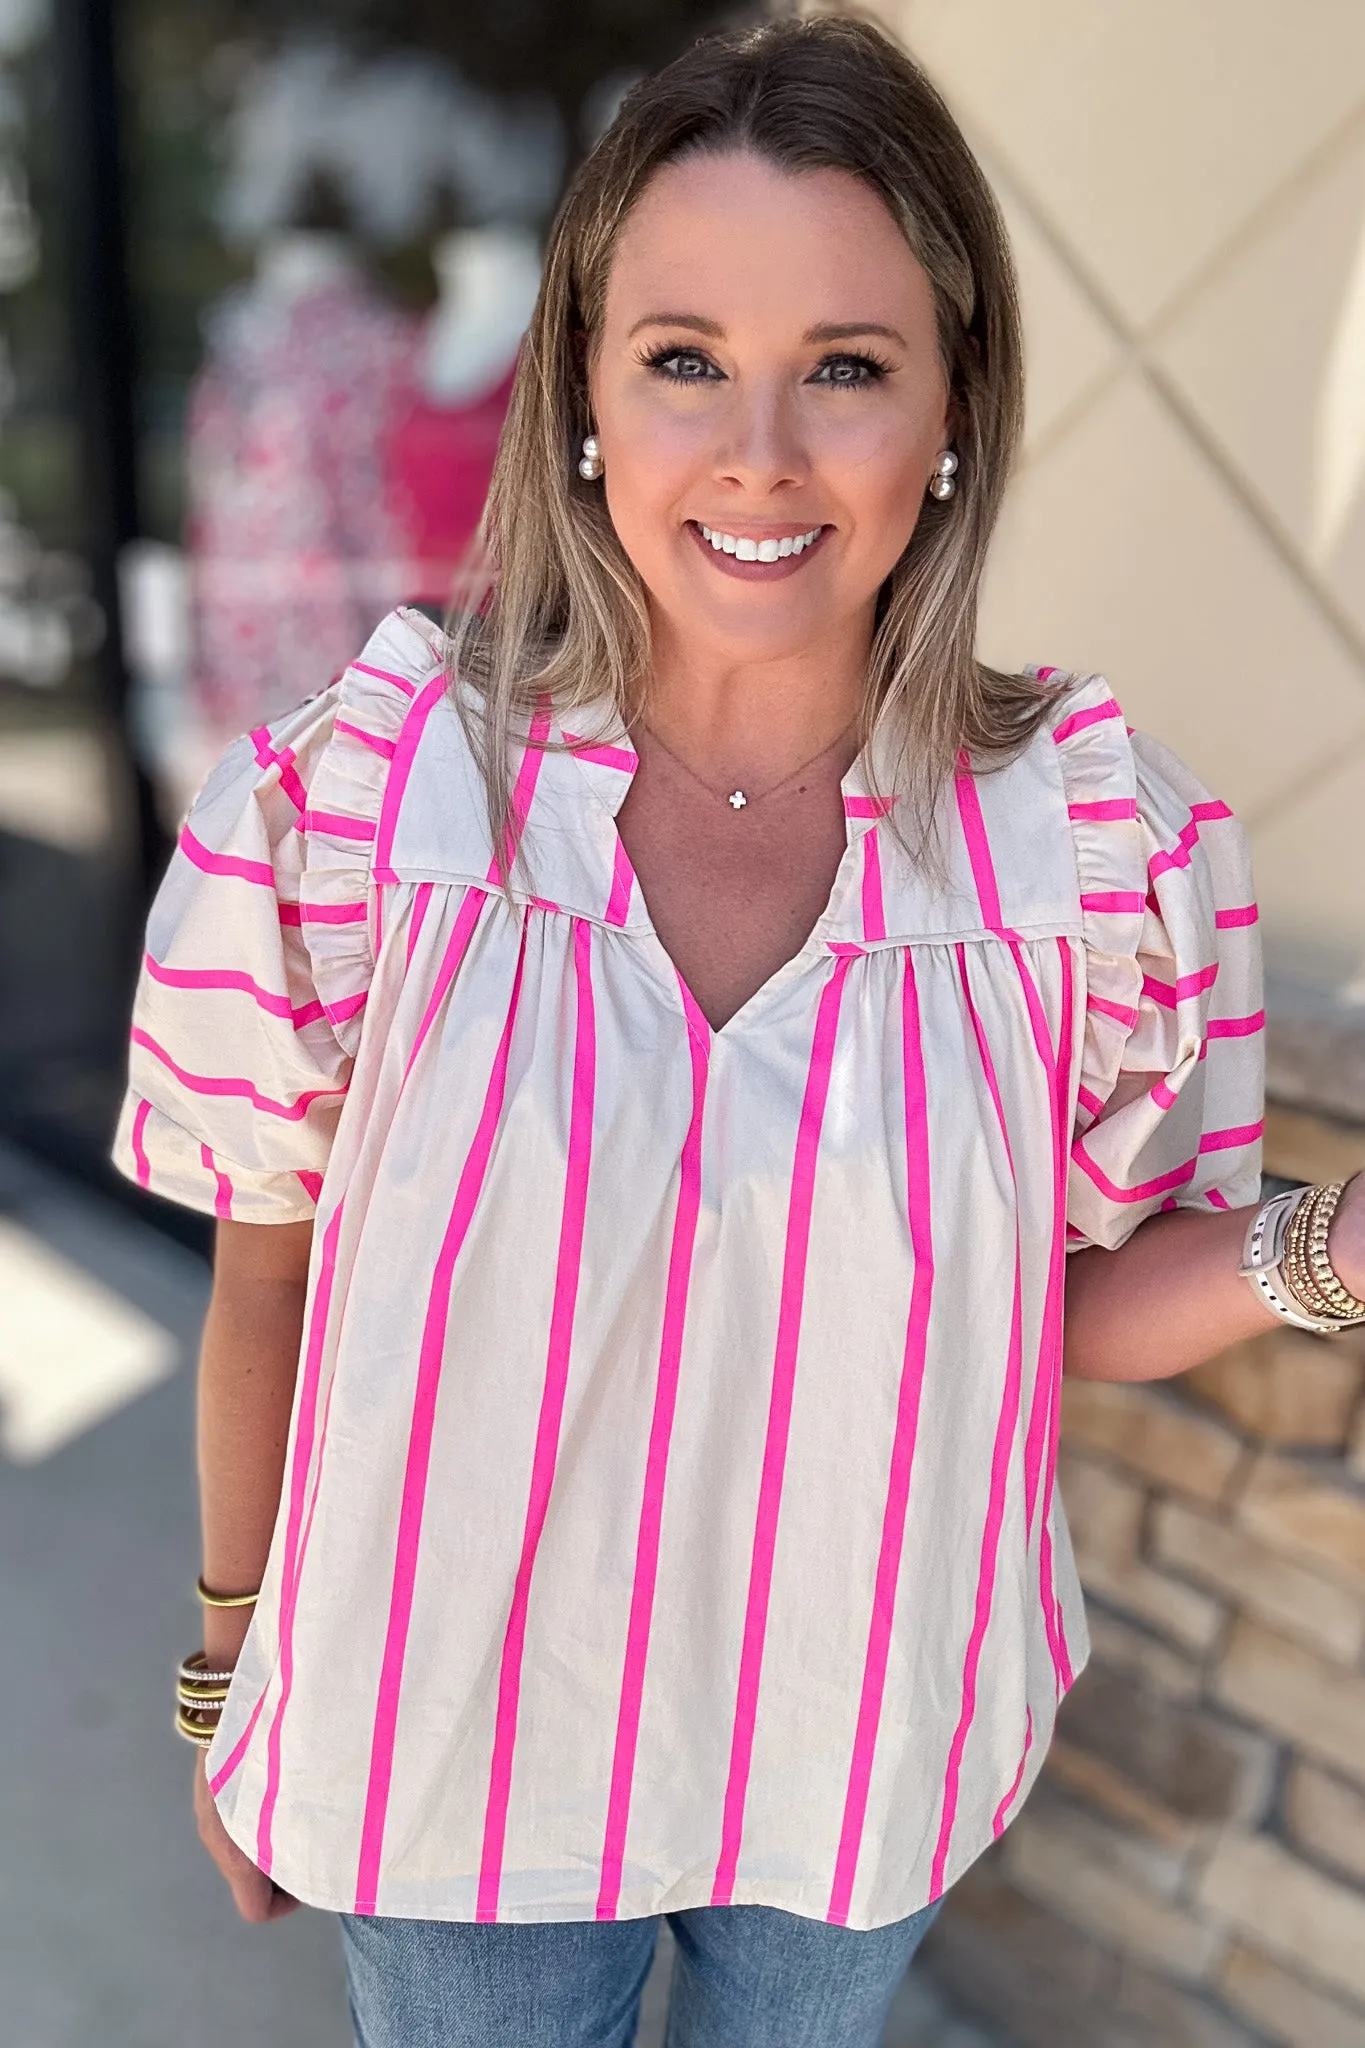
[(253, 981), (1171, 1093)]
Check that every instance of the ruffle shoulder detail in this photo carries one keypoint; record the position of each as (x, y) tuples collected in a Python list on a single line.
[(1099, 778), (1170, 1098), (349, 802)]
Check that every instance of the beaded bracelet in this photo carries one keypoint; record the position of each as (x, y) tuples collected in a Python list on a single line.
[(1284, 1257)]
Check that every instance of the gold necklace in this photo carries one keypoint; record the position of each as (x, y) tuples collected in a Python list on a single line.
[(739, 799)]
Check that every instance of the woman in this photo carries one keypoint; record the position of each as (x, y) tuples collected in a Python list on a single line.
[(650, 1062)]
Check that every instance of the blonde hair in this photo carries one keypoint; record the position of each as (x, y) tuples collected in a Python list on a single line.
[(563, 614)]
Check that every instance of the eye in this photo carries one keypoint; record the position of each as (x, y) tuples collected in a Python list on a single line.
[(850, 372), (681, 365)]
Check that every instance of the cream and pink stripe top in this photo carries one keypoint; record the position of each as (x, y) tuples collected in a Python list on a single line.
[(669, 1513)]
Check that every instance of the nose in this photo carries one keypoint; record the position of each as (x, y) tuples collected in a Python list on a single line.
[(762, 449)]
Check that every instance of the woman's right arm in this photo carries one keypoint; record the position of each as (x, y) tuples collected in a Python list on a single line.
[(247, 1368)]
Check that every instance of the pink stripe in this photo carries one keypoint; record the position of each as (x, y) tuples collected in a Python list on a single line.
[(421, 903), (222, 1200), (404, 752), (283, 758), (311, 1184), (1204, 813), (1114, 900), (995, 1510), (568, 1274), (1176, 1178), (622, 881), (387, 676), (1079, 720), (523, 794), (1002, 1810), (194, 849), (1239, 914), (1164, 1096), (1104, 811), (144, 1164), (656, 1469), (1235, 1027), (323, 913), (430, 1359), (1045, 675), (918, 1191), (604, 757), (209, 1084), (868, 806), (1218, 1200), (456, 947), (232, 978), (1168, 993), (300, 1462), (349, 1006), (978, 850), (779, 1421), (1050, 1335), (1229, 1140), (1052, 1610), (371, 740), (339, 824), (874, 910), (239, 1749), (1120, 1012), (1088, 1099)]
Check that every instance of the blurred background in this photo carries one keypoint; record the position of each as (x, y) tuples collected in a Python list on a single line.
[(264, 265)]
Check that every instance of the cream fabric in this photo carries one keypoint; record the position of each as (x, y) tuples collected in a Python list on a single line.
[(669, 1516)]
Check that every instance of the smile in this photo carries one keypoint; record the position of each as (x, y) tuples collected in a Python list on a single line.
[(767, 550), (755, 557)]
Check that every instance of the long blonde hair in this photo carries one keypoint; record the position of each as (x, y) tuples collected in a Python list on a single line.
[(563, 614)]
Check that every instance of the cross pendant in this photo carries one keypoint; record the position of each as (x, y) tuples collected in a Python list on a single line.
[(737, 800)]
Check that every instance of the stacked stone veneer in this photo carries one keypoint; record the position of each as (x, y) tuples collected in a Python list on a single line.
[(1190, 1869)]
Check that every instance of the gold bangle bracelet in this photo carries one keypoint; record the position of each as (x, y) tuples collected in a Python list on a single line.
[(225, 1599), (200, 1736)]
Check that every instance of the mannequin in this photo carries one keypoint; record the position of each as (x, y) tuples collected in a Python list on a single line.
[(487, 279), (294, 554), (444, 440)]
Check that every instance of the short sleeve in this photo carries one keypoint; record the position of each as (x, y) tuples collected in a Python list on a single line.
[(1171, 1096), (252, 983)]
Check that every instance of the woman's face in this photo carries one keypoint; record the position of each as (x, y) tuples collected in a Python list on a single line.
[(768, 377)]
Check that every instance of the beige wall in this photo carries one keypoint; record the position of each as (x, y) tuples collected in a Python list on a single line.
[(1185, 183)]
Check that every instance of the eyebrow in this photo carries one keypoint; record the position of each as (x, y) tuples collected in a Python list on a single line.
[(844, 330)]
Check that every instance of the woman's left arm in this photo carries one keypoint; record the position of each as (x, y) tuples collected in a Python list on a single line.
[(1172, 1296)]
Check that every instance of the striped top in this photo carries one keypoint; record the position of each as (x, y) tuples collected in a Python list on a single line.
[(669, 1515)]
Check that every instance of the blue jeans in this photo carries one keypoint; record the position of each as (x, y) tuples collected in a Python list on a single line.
[(745, 1977)]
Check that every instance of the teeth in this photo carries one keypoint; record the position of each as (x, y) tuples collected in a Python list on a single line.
[(769, 550)]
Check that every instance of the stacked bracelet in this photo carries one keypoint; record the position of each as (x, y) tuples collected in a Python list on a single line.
[(199, 1692), (1285, 1258), (199, 1697)]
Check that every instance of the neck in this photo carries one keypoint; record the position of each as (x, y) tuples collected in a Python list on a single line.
[(757, 720), (303, 260)]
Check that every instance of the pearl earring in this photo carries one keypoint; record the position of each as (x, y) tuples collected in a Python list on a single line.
[(590, 468), (943, 482)]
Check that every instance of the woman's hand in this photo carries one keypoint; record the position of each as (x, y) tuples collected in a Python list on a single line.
[(254, 1895)]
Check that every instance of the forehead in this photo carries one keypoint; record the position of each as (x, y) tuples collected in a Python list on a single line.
[(741, 241)]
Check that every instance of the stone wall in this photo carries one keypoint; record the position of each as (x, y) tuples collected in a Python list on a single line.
[(1190, 1869)]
